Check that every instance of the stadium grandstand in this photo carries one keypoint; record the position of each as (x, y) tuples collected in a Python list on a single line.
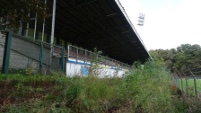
[(74, 28)]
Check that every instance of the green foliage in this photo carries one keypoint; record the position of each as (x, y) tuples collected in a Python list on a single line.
[(94, 66), (184, 56), (187, 104), (149, 88), (141, 90), (12, 12)]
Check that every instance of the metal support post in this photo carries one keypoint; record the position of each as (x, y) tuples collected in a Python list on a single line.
[(35, 26), (105, 61), (76, 54), (41, 56), (27, 30), (85, 56), (52, 31), (181, 81), (43, 30), (68, 53), (195, 84), (43, 25), (186, 86), (62, 60), (112, 62), (186, 83), (20, 28), (182, 88), (6, 57)]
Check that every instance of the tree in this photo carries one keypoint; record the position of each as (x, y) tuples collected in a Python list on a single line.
[(13, 12), (185, 56), (165, 56)]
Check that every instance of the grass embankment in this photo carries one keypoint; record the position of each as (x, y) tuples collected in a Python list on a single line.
[(141, 90)]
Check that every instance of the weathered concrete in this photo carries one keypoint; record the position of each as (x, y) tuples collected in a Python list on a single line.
[(79, 68), (25, 53)]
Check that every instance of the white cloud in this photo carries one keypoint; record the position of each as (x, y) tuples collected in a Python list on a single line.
[(167, 27)]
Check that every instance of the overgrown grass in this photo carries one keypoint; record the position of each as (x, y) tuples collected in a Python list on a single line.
[(55, 93), (141, 90), (149, 88)]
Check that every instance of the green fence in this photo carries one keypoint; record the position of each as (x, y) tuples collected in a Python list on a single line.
[(188, 82)]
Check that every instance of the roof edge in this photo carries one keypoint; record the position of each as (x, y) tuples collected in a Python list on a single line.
[(132, 26)]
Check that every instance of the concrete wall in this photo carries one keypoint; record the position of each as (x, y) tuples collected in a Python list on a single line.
[(2, 41), (56, 64), (30, 49), (24, 53), (82, 69)]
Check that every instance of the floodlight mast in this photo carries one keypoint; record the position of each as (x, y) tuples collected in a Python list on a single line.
[(141, 20)]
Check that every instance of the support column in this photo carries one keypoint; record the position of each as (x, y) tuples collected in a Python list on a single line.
[(52, 31), (43, 25), (68, 53), (53, 22), (195, 84), (85, 56), (27, 30), (6, 57), (20, 28), (76, 54), (63, 60), (41, 56), (35, 26)]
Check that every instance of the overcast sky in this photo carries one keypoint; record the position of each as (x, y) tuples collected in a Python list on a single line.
[(168, 23)]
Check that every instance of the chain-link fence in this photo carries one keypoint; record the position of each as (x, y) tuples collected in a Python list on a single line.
[(188, 82)]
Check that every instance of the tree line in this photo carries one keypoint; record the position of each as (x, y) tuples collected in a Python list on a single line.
[(183, 57)]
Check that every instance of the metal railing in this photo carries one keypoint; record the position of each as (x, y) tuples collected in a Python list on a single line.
[(27, 53), (85, 56)]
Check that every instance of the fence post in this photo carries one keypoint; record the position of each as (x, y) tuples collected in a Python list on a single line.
[(195, 84), (186, 83), (41, 56), (62, 60), (85, 56), (182, 87), (68, 53), (6, 57), (76, 54), (181, 83)]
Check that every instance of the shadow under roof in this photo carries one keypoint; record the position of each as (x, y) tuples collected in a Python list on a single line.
[(101, 24)]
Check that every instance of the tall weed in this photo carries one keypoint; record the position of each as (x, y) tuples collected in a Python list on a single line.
[(141, 90), (148, 88)]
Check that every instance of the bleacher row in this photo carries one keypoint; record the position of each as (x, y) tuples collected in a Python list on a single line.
[(84, 55)]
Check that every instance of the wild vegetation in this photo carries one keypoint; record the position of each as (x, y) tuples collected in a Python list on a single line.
[(182, 60), (145, 89)]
